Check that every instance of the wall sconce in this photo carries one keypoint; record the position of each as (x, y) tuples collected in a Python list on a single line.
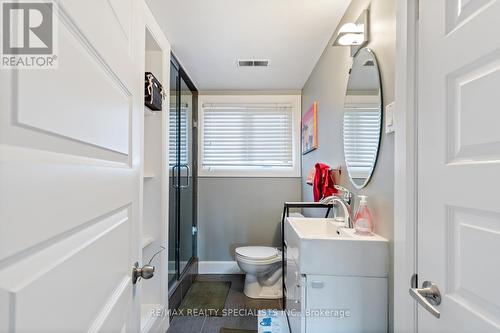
[(354, 34)]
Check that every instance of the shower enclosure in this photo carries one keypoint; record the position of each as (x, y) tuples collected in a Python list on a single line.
[(182, 157)]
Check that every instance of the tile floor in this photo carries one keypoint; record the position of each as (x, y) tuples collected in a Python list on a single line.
[(235, 300)]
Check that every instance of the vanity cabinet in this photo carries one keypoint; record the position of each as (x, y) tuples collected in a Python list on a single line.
[(294, 294), (338, 300)]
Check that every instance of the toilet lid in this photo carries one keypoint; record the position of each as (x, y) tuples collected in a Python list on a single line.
[(257, 252)]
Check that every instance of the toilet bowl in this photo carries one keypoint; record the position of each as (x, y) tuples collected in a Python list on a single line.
[(262, 266)]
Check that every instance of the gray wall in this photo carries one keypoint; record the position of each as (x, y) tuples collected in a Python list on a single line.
[(240, 211), (327, 85)]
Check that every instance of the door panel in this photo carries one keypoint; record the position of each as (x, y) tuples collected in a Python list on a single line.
[(473, 134), (458, 153), (472, 283), (186, 177), (69, 169), (104, 89), (37, 291), (59, 192), (174, 177), (365, 298)]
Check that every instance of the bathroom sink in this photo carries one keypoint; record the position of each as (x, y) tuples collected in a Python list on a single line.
[(325, 246), (315, 228)]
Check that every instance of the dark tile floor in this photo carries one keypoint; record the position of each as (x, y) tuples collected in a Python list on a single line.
[(236, 299)]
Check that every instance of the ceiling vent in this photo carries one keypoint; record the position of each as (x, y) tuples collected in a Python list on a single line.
[(253, 63)]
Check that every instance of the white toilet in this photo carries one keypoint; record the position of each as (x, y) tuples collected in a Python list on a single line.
[(262, 265)]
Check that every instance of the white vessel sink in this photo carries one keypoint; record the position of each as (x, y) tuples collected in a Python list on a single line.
[(324, 246)]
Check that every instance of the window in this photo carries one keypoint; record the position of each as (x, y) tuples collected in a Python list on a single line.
[(248, 139), (247, 136), (173, 135)]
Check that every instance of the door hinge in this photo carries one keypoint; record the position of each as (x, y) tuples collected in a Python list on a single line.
[(417, 9), (194, 230), (414, 281)]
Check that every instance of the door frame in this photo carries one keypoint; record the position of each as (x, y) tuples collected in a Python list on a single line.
[(405, 165), (183, 75), (160, 322)]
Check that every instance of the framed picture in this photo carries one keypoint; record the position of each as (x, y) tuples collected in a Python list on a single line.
[(310, 129)]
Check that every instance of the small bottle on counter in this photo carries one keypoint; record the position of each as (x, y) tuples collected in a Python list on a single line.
[(363, 221)]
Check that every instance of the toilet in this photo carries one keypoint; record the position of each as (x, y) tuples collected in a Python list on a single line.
[(262, 266)]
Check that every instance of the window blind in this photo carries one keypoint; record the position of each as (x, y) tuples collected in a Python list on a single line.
[(247, 136), (361, 139), (174, 130)]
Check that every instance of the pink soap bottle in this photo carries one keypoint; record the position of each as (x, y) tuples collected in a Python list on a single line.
[(363, 221)]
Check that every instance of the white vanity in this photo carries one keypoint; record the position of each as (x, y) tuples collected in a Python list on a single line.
[(336, 280)]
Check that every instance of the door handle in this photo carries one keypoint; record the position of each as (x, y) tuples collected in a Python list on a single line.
[(146, 272), (174, 176), (428, 296), (188, 169)]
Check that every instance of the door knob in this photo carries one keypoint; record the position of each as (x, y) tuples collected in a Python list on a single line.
[(146, 272), (428, 296)]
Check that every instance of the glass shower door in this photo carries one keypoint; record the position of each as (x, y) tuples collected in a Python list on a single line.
[(186, 207), (174, 160), (182, 154)]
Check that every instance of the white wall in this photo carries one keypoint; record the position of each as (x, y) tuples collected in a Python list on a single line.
[(239, 211)]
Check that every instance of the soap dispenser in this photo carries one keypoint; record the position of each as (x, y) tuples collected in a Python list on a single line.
[(363, 221)]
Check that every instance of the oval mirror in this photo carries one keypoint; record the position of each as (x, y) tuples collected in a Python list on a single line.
[(362, 118)]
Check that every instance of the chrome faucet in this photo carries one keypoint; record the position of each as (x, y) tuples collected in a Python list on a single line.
[(333, 199), (344, 201), (346, 194)]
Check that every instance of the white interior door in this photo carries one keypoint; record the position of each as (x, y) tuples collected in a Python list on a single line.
[(459, 163), (70, 175)]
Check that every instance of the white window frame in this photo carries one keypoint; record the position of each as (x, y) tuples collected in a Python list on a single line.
[(293, 171)]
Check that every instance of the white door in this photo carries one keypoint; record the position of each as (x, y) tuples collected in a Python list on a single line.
[(69, 177), (459, 163)]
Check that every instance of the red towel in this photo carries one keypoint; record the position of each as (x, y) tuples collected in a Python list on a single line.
[(323, 182)]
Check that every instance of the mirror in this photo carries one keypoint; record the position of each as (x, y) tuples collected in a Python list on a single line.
[(362, 118)]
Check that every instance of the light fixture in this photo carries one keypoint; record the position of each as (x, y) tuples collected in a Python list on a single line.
[(350, 34), (354, 34), (351, 39)]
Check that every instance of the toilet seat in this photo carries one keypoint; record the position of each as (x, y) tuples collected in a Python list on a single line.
[(260, 254), (257, 262)]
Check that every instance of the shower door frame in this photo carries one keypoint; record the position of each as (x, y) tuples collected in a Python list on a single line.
[(183, 76)]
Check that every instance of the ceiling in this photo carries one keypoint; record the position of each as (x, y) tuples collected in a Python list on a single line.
[(209, 36)]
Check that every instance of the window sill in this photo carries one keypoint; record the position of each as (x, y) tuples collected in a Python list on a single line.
[(250, 173)]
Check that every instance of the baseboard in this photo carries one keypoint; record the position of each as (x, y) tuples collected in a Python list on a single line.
[(161, 324), (219, 267)]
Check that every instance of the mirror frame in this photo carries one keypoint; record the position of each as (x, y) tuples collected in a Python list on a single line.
[(379, 143)]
